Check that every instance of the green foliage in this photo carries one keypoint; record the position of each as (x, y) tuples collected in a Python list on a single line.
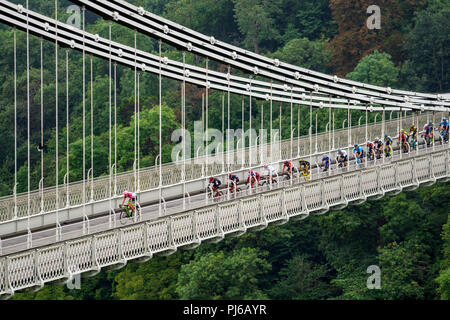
[(304, 53), (255, 19), (427, 67), (222, 275), (376, 69)]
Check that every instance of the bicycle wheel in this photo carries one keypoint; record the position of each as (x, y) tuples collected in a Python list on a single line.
[(123, 217)]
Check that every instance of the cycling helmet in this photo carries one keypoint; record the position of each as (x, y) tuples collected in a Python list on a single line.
[(229, 176), (377, 139), (430, 122), (211, 179), (444, 119), (286, 163), (356, 146), (339, 150), (250, 171), (324, 157), (265, 166), (125, 192), (412, 126)]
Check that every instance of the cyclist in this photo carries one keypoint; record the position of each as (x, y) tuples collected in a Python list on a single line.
[(304, 166), (215, 184), (370, 150), (358, 153), (342, 158), (253, 177), (387, 146), (402, 139), (132, 198), (378, 144), (326, 161), (234, 180), (428, 132), (413, 134), (288, 166), (444, 129), (270, 172)]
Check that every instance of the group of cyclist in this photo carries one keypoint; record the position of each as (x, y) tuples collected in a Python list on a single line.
[(373, 150)]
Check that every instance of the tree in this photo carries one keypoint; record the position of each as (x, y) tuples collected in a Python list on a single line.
[(444, 275), (354, 40), (377, 69), (221, 275), (405, 270), (427, 47), (213, 17), (155, 279), (303, 280), (304, 53), (255, 20)]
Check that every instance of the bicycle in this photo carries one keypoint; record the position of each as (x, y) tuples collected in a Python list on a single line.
[(444, 136), (213, 194), (126, 213)]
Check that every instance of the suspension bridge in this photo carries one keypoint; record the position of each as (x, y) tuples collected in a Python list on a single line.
[(50, 234)]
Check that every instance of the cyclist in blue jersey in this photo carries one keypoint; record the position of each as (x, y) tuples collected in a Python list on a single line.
[(358, 153), (326, 161), (444, 129), (427, 133)]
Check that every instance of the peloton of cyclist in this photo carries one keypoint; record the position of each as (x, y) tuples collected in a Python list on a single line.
[(326, 162), (270, 172), (234, 180), (253, 177), (132, 198), (215, 184), (444, 128), (413, 134), (342, 158), (358, 153)]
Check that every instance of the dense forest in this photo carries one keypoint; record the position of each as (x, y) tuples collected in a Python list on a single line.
[(324, 257)]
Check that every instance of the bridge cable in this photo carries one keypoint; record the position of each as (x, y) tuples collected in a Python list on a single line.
[(292, 133), (56, 117), (85, 219), (262, 136), (110, 129), (67, 129), (383, 133), (250, 136), (135, 109), (29, 243), (160, 133), (243, 135), (41, 182), (15, 124), (207, 117), (367, 136), (280, 136), (115, 128), (271, 122), (92, 128), (223, 132), (310, 127), (228, 124), (298, 130), (183, 125)]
